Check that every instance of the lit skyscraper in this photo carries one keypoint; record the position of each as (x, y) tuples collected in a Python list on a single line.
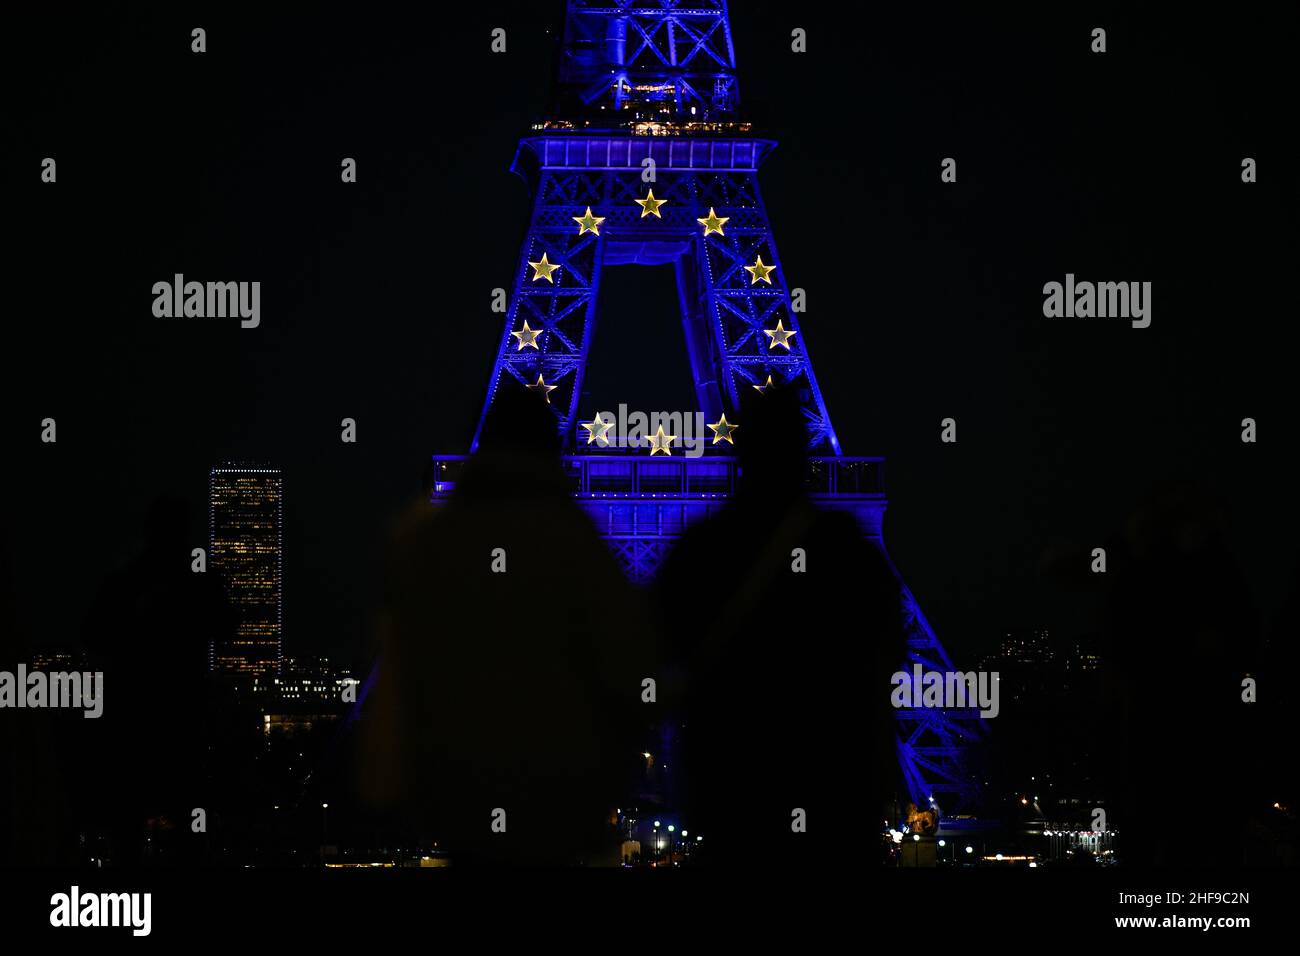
[(246, 538)]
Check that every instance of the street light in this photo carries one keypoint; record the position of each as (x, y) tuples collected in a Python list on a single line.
[(324, 821)]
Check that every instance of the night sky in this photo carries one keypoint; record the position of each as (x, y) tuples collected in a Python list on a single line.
[(924, 298)]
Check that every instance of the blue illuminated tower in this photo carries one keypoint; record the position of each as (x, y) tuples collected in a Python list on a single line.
[(647, 161)]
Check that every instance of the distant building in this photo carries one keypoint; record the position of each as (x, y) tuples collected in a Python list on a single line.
[(1050, 722), (306, 693), (307, 679), (1030, 647), (1026, 664), (63, 661), (246, 550), (1084, 660), (1071, 841)]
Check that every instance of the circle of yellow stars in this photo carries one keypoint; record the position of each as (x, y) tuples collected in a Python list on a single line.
[(598, 429)]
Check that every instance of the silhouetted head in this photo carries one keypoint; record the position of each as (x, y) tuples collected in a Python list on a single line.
[(1181, 517), (519, 447), (772, 443), (519, 423)]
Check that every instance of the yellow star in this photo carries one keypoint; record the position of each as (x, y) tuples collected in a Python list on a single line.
[(780, 336), (588, 223), (713, 223), (659, 442), (760, 272), (763, 388), (650, 205), (543, 387), (722, 431), (528, 337), (544, 269), (598, 430)]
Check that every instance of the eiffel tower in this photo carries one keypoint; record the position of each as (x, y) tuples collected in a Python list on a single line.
[(647, 161)]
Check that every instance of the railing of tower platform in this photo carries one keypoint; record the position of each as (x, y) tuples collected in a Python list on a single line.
[(616, 475)]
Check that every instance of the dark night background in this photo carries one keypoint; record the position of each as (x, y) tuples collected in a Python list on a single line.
[(924, 298)]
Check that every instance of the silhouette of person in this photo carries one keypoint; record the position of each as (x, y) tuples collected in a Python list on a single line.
[(513, 651), (1185, 636), (149, 631), (787, 624)]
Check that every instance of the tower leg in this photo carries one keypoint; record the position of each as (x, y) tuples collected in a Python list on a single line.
[(554, 293), (934, 744)]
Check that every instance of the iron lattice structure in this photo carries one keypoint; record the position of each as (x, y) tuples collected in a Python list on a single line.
[(651, 97), (653, 53), (725, 313)]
